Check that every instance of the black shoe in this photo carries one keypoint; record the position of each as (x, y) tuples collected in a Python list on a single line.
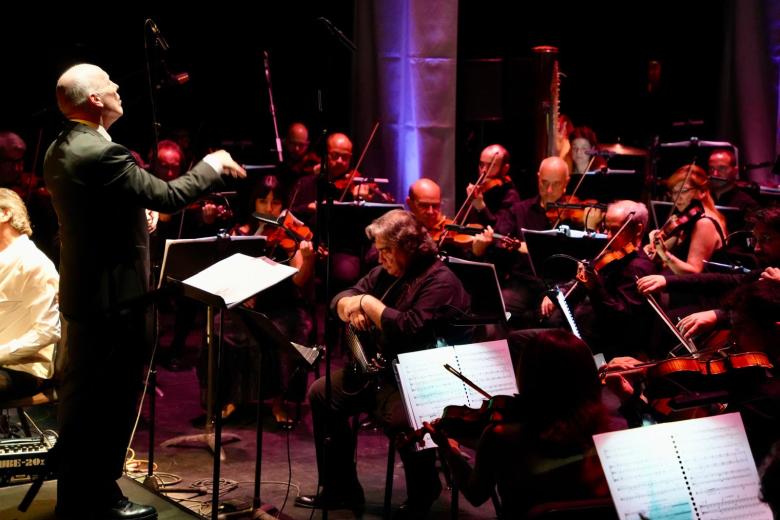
[(122, 510), (354, 501), (126, 510)]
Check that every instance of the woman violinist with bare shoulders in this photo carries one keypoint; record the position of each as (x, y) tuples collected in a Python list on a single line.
[(696, 229)]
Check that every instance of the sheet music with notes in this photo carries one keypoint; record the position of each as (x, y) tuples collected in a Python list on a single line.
[(697, 469), (427, 387), (239, 277)]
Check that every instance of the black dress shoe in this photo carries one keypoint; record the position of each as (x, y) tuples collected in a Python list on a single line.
[(126, 510), (122, 510)]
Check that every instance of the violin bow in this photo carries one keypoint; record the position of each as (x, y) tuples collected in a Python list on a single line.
[(459, 219), (688, 343), (468, 381), (359, 162), (272, 107), (605, 248), (574, 191)]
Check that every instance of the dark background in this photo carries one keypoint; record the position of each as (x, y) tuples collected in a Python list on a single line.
[(604, 53)]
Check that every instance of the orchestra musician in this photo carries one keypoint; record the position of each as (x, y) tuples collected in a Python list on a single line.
[(544, 451), (583, 140), (521, 290), (32, 191), (696, 229), (615, 310), (754, 309), (339, 157), (724, 175), (492, 202), (407, 303), (284, 304), (424, 201), (766, 233)]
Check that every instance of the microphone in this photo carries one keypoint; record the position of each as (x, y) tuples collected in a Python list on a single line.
[(600, 153), (160, 39), (337, 33)]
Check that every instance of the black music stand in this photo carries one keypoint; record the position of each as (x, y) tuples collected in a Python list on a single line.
[(350, 219), (229, 278), (542, 245), (609, 184), (481, 282), (735, 217)]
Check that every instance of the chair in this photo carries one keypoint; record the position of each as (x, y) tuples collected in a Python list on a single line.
[(46, 396), (454, 497), (590, 509)]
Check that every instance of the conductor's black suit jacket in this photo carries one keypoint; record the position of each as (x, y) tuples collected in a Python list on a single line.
[(99, 193)]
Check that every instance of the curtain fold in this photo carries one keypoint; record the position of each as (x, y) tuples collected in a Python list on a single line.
[(405, 78)]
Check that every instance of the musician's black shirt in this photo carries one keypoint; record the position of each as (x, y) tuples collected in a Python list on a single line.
[(421, 306)]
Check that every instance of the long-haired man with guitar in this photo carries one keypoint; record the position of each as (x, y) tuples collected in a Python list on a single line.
[(407, 303)]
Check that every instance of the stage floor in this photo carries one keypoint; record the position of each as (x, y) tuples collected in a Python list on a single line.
[(42, 507)]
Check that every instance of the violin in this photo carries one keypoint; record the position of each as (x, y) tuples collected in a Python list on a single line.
[(466, 424), (287, 234), (465, 235), (493, 182), (675, 226), (667, 377), (587, 213), (612, 255), (369, 191)]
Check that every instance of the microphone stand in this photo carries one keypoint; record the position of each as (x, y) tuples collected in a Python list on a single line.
[(324, 205), (150, 481)]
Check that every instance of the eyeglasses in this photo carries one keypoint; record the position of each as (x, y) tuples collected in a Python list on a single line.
[(763, 239), (682, 191), (335, 156)]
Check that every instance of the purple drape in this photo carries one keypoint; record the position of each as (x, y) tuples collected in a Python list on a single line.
[(405, 78)]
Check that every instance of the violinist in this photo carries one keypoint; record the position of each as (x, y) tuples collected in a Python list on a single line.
[(724, 175), (296, 145), (754, 310), (424, 201), (339, 157), (409, 301), (521, 290), (545, 452), (695, 230), (493, 199), (766, 233), (615, 316), (285, 304), (31, 189)]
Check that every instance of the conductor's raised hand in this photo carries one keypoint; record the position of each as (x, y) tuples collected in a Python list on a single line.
[(229, 167)]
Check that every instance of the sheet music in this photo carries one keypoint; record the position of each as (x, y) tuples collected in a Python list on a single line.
[(489, 366), (239, 277), (698, 469), (427, 387)]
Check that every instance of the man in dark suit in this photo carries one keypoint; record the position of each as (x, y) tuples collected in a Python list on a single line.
[(100, 194)]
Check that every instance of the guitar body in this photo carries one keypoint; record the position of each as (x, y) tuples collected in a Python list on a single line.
[(367, 366)]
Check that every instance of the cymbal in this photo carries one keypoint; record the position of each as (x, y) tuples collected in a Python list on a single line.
[(620, 149)]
